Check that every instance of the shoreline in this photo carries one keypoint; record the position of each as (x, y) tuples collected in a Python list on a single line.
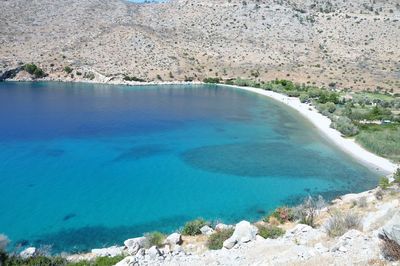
[(322, 124), (319, 121)]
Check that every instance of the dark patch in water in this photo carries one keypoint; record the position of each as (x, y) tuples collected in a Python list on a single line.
[(140, 152), (261, 211), (85, 238), (31, 185), (22, 243), (261, 160), (69, 216)]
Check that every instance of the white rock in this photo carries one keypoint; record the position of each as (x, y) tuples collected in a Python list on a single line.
[(303, 234), (244, 232), (376, 219), (128, 261), (154, 252), (392, 228), (28, 253), (221, 226), (174, 239), (206, 230), (320, 248), (177, 249), (108, 252), (134, 244)]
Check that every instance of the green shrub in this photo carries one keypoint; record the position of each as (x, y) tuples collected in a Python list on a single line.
[(397, 176), (270, 231), (216, 240), (89, 75), (211, 80), (68, 69), (383, 140), (345, 126), (34, 70), (282, 214), (384, 183), (192, 228), (133, 78), (154, 239), (34, 261)]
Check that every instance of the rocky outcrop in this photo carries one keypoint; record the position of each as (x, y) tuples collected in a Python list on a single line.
[(108, 252), (392, 228), (244, 232), (173, 239), (9, 73), (133, 245)]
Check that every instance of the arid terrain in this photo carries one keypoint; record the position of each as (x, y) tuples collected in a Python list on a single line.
[(347, 44)]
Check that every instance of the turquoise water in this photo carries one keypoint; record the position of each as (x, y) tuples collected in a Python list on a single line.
[(85, 166)]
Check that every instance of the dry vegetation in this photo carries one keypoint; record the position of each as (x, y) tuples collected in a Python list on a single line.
[(352, 44)]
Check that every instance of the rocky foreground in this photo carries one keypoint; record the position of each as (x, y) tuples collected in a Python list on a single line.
[(349, 44), (356, 229)]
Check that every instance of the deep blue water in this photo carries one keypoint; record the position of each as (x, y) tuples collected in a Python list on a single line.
[(85, 166)]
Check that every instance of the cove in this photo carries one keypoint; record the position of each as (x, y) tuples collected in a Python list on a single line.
[(88, 165)]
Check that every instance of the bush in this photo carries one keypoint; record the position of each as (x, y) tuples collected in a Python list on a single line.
[(396, 176), (339, 224), (211, 80), (34, 70), (384, 183), (89, 75), (345, 126), (390, 249), (362, 202), (282, 214), (270, 231), (37, 261), (133, 78), (192, 228), (307, 211), (68, 69), (216, 240), (154, 239)]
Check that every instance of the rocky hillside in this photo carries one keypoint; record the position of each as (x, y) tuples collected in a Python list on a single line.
[(350, 44)]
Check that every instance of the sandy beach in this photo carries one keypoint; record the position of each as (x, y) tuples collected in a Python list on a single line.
[(322, 123)]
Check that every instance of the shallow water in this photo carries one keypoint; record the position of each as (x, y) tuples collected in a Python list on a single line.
[(85, 166)]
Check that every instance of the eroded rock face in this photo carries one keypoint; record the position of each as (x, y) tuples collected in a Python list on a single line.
[(108, 252), (244, 232)]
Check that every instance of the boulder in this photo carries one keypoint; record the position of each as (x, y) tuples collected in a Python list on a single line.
[(108, 252), (154, 252), (385, 212), (206, 230), (303, 234), (244, 232), (28, 253), (392, 228), (174, 239), (134, 244)]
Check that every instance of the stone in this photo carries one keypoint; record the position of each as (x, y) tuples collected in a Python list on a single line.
[(134, 244), (128, 261), (376, 219), (174, 239), (221, 226), (392, 228), (320, 248), (108, 252), (206, 230), (303, 234), (177, 250), (28, 253), (154, 252), (244, 232)]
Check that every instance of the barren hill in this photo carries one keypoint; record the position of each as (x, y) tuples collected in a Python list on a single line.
[(350, 44)]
